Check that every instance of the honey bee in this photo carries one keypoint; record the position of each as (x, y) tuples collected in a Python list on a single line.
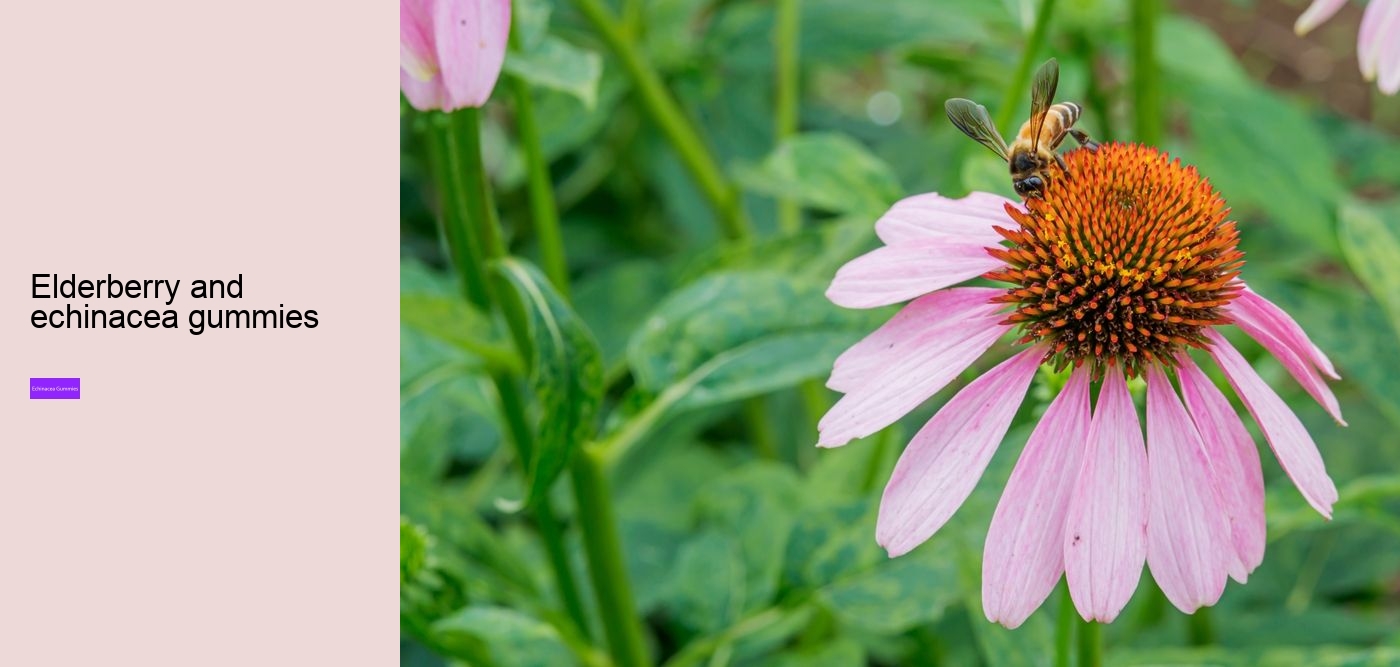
[(1033, 151)]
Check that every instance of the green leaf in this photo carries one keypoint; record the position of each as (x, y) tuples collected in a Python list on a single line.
[(896, 595), (708, 584), (503, 637), (566, 373), (558, 65), (756, 504), (838, 652), (1370, 239), (829, 172)]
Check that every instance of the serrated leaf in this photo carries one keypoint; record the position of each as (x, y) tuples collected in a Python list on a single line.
[(829, 172), (503, 637), (558, 65), (566, 374), (1370, 239)]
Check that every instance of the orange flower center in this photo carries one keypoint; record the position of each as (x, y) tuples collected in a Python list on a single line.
[(1124, 260)]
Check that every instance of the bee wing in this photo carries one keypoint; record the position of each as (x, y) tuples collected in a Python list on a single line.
[(1043, 86), (972, 119)]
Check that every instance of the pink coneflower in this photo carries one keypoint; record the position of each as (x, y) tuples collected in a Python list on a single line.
[(451, 51), (1119, 269), (1377, 42)]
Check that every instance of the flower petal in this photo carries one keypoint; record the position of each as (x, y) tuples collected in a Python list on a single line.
[(1292, 445), (417, 53), (1377, 26), (945, 459), (423, 95), (1024, 554), (901, 272), (1262, 314), (1292, 358), (1188, 532), (1106, 530), (943, 313), (1316, 13), (926, 365), (1234, 460), (471, 38), (933, 215), (1389, 65)]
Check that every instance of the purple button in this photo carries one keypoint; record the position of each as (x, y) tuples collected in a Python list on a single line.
[(54, 388)]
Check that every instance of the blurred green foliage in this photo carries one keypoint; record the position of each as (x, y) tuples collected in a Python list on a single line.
[(696, 362)]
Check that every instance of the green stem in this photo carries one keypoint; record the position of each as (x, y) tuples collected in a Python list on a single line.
[(1200, 630), (667, 114), (452, 220), (513, 408), (785, 114), (597, 522), (873, 465), (543, 210), (1020, 84), (603, 545), (466, 176), (1064, 628), (1147, 112), (1090, 644), (760, 429)]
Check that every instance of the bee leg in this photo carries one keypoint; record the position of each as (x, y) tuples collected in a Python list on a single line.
[(1060, 160), (1083, 138)]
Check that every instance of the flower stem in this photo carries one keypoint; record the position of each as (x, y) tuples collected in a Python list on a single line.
[(513, 408), (543, 210), (785, 113), (463, 180), (1090, 644), (1020, 84), (603, 545), (597, 521), (1064, 628), (452, 220), (1147, 112), (1200, 630), (667, 114)]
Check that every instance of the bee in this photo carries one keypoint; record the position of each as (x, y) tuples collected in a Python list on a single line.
[(1033, 151)]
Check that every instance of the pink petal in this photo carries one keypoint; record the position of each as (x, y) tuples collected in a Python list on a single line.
[(932, 315), (1263, 314), (1316, 13), (933, 215), (1291, 356), (945, 459), (1188, 532), (1377, 26), (471, 38), (1389, 65), (417, 53), (1106, 530), (926, 364), (1025, 549), (901, 272), (1292, 445), (1235, 461), (423, 95)]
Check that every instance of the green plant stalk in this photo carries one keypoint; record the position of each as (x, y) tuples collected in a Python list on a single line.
[(1200, 630), (1090, 644), (760, 429), (513, 408), (467, 176), (1147, 102), (666, 113), (602, 543), (543, 210), (1064, 628), (452, 219), (785, 113), (597, 521), (1020, 84)]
